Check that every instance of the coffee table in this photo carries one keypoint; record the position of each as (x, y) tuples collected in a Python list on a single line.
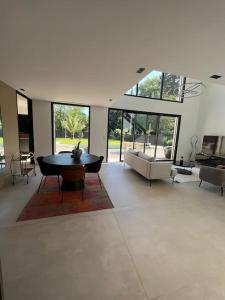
[(183, 169)]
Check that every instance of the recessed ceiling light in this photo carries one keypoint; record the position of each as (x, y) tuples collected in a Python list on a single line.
[(110, 100), (140, 70), (215, 76), (23, 90)]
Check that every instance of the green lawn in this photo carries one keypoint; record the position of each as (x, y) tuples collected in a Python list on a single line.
[(69, 141), (114, 142)]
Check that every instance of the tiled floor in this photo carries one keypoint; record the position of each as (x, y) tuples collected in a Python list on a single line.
[(162, 242)]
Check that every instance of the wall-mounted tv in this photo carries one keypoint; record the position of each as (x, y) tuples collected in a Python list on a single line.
[(213, 145)]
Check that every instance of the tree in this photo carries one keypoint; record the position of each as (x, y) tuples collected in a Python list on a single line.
[(166, 130), (171, 84), (150, 87), (59, 116), (75, 121)]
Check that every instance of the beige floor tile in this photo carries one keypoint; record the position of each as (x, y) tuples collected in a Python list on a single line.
[(166, 241), (84, 258)]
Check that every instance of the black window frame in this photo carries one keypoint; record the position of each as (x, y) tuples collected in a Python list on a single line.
[(161, 91), (53, 125), (147, 113)]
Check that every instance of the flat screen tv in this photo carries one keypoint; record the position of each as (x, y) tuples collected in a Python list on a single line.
[(213, 145)]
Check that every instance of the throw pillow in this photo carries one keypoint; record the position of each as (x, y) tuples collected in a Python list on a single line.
[(145, 156)]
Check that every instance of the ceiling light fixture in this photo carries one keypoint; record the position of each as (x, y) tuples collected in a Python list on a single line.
[(110, 100), (190, 89), (140, 70), (215, 76)]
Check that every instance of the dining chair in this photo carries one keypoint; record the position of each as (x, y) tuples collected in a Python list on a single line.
[(64, 152), (74, 173), (47, 170), (95, 168)]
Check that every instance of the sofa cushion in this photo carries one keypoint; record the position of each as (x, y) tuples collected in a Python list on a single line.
[(145, 156), (133, 152)]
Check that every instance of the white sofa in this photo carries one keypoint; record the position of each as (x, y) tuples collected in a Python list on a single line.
[(147, 167)]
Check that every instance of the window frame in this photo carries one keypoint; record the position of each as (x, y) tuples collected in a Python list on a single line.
[(179, 117), (53, 124), (161, 91)]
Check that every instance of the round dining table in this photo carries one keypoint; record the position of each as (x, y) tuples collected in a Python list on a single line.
[(66, 160)]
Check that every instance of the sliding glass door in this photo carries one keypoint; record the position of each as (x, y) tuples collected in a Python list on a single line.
[(70, 126), (167, 135), (128, 132), (151, 133)]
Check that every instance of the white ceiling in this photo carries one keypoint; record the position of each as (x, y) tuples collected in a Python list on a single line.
[(88, 51)]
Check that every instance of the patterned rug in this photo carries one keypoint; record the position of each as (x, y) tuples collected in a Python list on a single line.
[(48, 202)]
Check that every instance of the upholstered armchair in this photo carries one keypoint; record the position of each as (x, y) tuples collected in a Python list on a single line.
[(214, 176)]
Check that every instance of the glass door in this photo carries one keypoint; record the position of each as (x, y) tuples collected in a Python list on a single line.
[(128, 130), (114, 134), (167, 135), (151, 134), (140, 132)]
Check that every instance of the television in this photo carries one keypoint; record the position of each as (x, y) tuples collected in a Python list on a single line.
[(213, 145)]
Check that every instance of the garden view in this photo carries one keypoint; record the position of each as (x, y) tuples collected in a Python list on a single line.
[(71, 126)]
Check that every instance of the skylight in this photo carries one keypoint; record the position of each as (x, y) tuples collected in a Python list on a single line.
[(160, 86)]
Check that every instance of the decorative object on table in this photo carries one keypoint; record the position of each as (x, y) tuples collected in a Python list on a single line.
[(194, 142), (181, 161), (76, 152)]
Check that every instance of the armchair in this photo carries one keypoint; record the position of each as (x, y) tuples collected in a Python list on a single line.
[(214, 176)]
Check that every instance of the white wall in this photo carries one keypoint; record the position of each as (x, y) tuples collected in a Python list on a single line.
[(98, 130), (212, 112), (42, 127), (10, 127)]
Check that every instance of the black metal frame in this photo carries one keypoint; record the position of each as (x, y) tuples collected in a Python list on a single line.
[(146, 113), (30, 115), (161, 92), (53, 125)]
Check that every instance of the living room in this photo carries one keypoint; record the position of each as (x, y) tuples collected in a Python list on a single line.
[(137, 119)]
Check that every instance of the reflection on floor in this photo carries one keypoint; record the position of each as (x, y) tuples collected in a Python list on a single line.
[(165, 242)]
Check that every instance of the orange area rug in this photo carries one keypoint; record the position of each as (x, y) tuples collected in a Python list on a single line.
[(48, 202)]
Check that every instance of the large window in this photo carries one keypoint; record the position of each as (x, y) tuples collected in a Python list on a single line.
[(151, 133), (159, 85), (70, 126)]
